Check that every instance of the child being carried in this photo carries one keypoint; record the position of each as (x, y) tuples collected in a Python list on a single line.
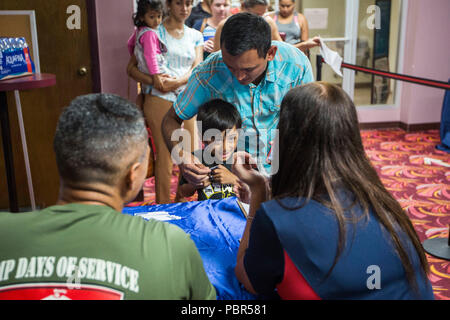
[(145, 43)]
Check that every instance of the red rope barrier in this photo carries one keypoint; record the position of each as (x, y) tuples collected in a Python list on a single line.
[(398, 76)]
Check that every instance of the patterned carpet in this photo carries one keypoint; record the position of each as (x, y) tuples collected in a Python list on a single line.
[(421, 185)]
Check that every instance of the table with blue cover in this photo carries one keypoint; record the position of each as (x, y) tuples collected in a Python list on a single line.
[(215, 226)]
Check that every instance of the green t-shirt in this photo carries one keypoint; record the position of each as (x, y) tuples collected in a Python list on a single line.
[(94, 252)]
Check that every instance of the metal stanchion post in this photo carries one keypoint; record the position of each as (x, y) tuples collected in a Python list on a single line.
[(319, 63), (438, 247)]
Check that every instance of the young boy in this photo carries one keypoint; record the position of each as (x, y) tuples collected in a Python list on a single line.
[(216, 116)]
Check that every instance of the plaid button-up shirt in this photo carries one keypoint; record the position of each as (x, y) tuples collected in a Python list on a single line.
[(259, 105)]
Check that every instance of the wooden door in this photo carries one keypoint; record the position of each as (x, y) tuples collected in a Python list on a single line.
[(62, 52)]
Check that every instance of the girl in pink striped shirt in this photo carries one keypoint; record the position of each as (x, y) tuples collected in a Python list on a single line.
[(146, 45)]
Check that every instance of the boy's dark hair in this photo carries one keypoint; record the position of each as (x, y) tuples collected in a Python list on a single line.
[(246, 31), (218, 114), (143, 6)]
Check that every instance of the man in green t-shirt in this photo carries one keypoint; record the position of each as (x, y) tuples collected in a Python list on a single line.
[(84, 247)]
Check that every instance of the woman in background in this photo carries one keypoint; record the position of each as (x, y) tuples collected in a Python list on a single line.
[(258, 7), (220, 10), (325, 227), (200, 11), (294, 25)]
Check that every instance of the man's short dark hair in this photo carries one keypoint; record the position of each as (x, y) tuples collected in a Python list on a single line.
[(246, 31), (94, 133), (218, 114)]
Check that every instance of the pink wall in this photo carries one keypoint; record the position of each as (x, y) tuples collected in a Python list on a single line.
[(427, 55), (114, 27), (427, 51)]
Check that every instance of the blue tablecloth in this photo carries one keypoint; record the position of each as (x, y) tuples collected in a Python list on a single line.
[(216, 227)]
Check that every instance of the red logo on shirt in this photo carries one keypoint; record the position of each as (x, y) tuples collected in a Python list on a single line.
[(57, 291)]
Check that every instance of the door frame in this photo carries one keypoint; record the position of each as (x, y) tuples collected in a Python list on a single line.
[(93, 44), (351, 37)]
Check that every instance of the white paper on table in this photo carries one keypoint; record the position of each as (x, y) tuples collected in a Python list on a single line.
[(245, 207), (332, 58), (158, 215)]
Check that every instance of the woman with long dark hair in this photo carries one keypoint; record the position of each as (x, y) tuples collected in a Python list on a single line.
[(324, 226)]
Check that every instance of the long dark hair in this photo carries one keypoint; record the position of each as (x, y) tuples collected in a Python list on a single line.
[(321, 153)]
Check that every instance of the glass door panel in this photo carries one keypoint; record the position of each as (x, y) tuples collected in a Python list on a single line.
[(377, 47), (327, 19)]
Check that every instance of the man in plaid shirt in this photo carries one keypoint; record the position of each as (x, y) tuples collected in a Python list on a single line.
[(251, 72)]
